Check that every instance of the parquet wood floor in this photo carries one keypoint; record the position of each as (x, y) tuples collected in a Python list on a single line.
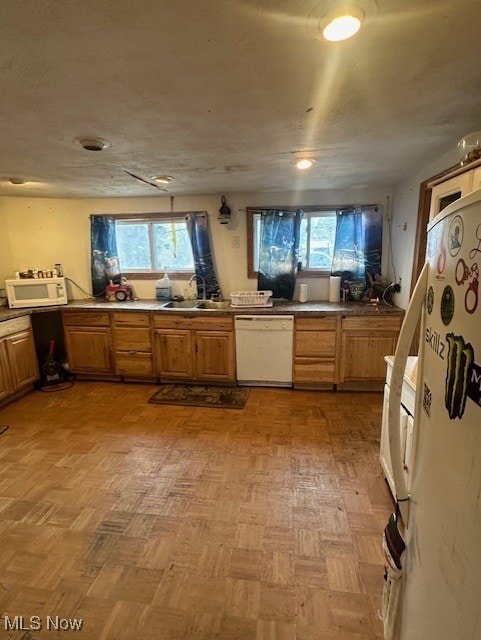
[(177, 523)]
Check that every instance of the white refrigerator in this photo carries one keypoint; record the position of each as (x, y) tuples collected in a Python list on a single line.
[(439, 591)]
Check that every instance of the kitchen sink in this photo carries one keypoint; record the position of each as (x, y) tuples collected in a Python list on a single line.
[(213, 305), (180, 304), (201, 305)]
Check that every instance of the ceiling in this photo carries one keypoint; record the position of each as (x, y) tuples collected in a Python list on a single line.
[(225, 95)]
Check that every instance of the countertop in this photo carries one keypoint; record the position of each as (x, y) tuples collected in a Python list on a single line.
[(279, 307)]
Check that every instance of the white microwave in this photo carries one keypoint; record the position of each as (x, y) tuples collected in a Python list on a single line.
[(36, 292)]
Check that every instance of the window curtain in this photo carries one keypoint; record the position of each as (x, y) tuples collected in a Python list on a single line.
[(204, 266), (104, 260), (279, 252), (358, 245)]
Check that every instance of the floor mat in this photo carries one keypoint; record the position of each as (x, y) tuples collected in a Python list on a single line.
[(201, 396)]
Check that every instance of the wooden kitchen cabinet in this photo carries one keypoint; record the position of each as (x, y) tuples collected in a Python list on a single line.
[(214, 352), (88, 341), (174, 353), (315, 351), (18, 359), (132, 338), (194, 348), (365, 341), (22, 359), (5, 386)]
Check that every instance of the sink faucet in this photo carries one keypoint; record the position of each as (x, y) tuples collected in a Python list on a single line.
[(202, 284)]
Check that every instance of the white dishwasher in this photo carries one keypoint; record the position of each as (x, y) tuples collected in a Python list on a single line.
[(264, 350)]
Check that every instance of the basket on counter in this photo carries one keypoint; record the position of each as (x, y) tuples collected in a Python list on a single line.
[(251, 299)]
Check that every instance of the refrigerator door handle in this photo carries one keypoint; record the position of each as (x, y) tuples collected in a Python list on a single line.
[(406, 335)]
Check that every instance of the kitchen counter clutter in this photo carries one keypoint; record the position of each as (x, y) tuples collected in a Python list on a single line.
[(335, 345)]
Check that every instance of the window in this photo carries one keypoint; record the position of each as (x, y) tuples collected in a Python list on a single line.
[(316, 246), (318, 234), (152, 243)]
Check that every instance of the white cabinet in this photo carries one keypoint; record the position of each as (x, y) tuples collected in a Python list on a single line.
[(476, 179), (406, 423), (450, 190)]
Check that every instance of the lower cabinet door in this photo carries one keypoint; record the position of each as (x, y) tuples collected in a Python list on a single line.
[(5, 385), (89, 349), (22, 359), (314, 371), (363, 357), (134, 363), (174, 353), (214, 355)]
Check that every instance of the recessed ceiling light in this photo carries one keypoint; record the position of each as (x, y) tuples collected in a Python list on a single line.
[(305, 163), (162, 179), (326, 11), (93, 144), (343, 24)]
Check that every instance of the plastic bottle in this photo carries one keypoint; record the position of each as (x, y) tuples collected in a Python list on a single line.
[(163, 289)]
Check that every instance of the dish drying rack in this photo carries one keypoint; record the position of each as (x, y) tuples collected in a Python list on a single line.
[(251, 299)]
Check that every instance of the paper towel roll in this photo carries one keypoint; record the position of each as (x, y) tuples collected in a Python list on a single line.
[(303, 293), (334, 288)]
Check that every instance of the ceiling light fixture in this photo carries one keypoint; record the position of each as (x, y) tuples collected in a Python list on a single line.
[(17, 181), (305, 163), (343, 24), (162, 179), (93, 144)]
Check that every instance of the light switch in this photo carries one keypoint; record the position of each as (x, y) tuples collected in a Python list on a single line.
[(235, 242)]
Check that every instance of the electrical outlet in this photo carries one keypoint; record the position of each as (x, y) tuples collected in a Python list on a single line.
[(235, 242)]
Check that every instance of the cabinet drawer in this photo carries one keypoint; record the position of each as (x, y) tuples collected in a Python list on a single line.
[(140, 364), (131, 319), (87, 318), (315, 343), (164, 321), (204, 323), (173, 321), (368, 323), (314, 370), (325, 323), (132, 338)]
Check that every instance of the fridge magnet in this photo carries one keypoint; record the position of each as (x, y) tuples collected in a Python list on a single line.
[(460, 365), (474, 384), (471, 297), (441, 262), (475, 250), (447, 305), (461, 275), (456, 234), (430, 300), (462, 272), (427, 399)]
